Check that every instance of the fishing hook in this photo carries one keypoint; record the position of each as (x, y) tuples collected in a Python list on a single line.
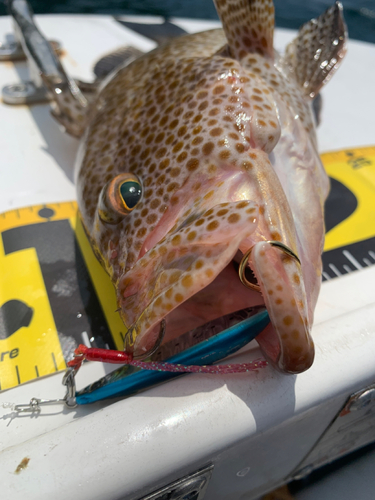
[(245, 260)]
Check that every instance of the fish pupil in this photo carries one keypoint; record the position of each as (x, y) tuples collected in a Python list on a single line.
[(131, 193)]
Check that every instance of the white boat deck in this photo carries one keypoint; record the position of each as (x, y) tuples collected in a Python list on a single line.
[(256, 430)]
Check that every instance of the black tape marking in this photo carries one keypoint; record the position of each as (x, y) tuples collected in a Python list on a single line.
[(339, 205), (18, 375)]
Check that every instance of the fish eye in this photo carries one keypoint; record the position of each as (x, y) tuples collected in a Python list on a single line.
[(131, 193), (119, 197)]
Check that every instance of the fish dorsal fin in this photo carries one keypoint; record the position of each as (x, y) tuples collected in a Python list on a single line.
[(316, 53), (115, 59), (248, 26)]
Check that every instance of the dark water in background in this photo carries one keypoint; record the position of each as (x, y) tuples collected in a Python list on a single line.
[(359, 14)]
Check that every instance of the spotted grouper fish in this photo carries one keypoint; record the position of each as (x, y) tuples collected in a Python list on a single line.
[(199, 161)]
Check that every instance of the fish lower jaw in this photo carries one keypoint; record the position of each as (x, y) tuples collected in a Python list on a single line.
[(291, 362)]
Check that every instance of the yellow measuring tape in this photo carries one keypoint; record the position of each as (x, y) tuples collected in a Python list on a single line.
[(32, 344), (35, 348)]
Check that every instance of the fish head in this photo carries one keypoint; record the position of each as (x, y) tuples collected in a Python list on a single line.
[(215, 169), (179, 249)]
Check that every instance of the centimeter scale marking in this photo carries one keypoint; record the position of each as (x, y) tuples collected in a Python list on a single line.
[(54, 294), (356, 264)]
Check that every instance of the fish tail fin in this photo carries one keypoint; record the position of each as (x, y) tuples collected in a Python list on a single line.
[(248, 26), (316, 53)]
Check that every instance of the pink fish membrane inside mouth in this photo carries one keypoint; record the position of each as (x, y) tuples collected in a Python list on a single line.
[(221, 304)]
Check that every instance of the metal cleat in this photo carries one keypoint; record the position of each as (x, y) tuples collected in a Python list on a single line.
[(28, 43)]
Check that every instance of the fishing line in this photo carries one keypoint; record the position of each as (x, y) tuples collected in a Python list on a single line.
[(83, 353)]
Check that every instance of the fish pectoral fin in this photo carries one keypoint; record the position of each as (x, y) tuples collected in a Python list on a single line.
[(316, 53), (71, 127), (248, 26), (68, 106)]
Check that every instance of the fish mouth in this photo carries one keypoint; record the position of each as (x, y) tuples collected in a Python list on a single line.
[(173, 289), (205, 310)]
